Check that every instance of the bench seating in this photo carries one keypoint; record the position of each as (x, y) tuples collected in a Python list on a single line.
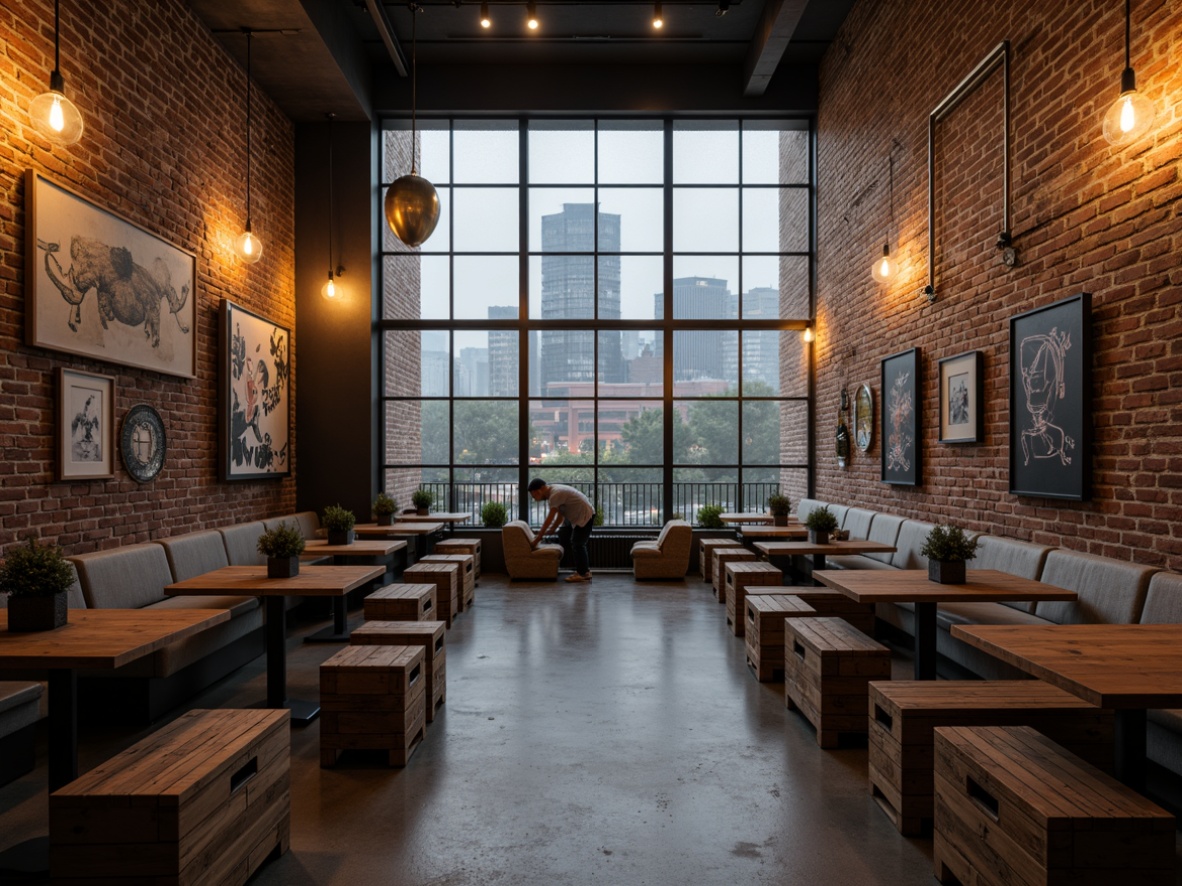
[(20, 709)]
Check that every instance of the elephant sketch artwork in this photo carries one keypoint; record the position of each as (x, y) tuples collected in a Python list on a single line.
[(103, 287)]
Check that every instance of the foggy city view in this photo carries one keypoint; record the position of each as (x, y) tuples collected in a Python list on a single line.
[(585, 369)]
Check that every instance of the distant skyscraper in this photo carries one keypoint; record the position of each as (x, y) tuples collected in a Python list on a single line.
[(433, 370), (503, 354), (700, 354), (761, 350), (472, 373), (568, 293)]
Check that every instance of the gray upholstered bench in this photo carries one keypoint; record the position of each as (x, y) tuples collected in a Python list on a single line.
[(20, 709)]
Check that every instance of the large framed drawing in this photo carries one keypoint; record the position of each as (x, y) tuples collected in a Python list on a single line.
[(86, 425), (255, 396), (1051, 400), (902, 446), (962, 385), (99, 285)]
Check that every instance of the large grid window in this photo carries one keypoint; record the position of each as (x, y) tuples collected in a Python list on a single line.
[(611, 304)]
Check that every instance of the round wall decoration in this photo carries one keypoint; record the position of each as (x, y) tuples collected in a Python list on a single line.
[(863, 418), (143, 443)]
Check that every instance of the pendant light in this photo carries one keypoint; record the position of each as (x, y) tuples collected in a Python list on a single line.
[(485, 18), (1131, 115), (248, 246), (884, 269), (54, 115), (412, 206), (329, 290)]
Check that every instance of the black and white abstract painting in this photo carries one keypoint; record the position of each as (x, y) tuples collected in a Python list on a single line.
[(86, 425), (255, 396), (901, 410)]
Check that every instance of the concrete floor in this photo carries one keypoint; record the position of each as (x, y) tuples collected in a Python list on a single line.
[(593, 733)]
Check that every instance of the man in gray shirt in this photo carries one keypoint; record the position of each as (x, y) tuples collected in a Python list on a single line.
[(577, 515)]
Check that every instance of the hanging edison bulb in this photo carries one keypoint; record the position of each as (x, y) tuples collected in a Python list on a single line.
[(248, 246), (1130, 116), (52, 114), (329, 290), (885, 268)]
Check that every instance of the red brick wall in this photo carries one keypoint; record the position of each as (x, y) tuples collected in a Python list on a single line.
[(164, 146), (1086, 217)]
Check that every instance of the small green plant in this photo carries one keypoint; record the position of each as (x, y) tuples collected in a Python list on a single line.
[(598, 521), (821, 520), (710, 517), (677, 515), (281, 542), (35, 570), (337, 519), (493, 513), (948, 543), (779, 505), (384, 505), (422, 498)]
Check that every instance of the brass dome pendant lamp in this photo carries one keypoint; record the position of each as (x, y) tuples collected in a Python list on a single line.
[(412, 205)]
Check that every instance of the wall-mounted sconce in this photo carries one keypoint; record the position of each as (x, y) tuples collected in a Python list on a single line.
[(55, 116), (884, 269), (808, 336), (1131, 115), (330, 290)]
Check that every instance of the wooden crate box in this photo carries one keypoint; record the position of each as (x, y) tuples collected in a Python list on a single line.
[(205, 799), (428, 634), (372, 698), (829, 602), (706, 549), (402, 602), (1012, 807), (828, 665), (467, 593), (763, 629), (719, 559), (905, 713), (739, 576), (446, 578), (461, 546)]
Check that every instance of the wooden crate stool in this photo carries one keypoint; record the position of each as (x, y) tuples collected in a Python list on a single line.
[(706, 549), (461, 546), (447, 581), (429, 635), (828, 665), (467, 593), (904, 715), (719, 558), (739, 576), (1012, 807), (402, 602), (828, 602), (372, 698), (205, 799), (763, 629)]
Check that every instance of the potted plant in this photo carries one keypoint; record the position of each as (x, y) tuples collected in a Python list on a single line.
[(37, 579), (820, 522), (598, 519), (383, 509), (710, 517), (779, 507), (494, 514), (422, 499), (338, 522), (282, 547), (947, 549)]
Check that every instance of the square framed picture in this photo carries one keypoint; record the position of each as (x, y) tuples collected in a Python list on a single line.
[(255, 396), (86, 425), (902, 445), (962, 386), (1051, 400)]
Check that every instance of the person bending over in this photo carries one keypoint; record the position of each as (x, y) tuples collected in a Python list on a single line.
[(575, 512)]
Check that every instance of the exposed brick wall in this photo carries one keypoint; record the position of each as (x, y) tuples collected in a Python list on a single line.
[(164, 146), (1086, 217)]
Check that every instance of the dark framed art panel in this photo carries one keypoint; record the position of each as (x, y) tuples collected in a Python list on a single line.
[(962, 408), (902, 399), (1051, 400), (86, 425), (254, 396), (101, 286)]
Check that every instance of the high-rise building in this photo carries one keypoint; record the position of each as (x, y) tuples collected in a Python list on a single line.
[(703, 353), (569, 293), (503, 354), (472, 373), (433, 369), (761, 349)]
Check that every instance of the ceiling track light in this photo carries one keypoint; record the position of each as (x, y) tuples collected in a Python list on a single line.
[(248, 246), (52, 114), (1131, 115), (531, 15), (658, 16), (485, 18)]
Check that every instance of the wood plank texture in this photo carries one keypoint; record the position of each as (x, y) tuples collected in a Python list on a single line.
[(719, 559), (913, 585), (430, 635), (402, 602), (706, 548), (467, 564), (461, 546), (741, 575), (446, 578), (252, 581)]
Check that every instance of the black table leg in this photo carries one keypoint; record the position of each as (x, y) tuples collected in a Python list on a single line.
[(302, 712), (1129, 747), (818, 565), (63, 727), (925, 641)]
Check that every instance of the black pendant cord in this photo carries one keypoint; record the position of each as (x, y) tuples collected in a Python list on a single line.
[(331, 203), (414, 85), (1128, 32), (248, 103), (891, 195), (57, 47)]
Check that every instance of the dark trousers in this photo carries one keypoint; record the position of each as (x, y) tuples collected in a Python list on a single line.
[(574, 538)]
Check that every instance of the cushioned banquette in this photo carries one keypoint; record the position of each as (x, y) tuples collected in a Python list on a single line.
[(1110, 591)]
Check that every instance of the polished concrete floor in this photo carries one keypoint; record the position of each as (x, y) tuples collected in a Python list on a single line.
[(602, 733)]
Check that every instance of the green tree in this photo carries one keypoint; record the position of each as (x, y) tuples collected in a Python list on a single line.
[(486, 431)]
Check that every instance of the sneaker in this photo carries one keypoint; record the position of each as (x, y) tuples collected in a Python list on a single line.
[(574, 576)]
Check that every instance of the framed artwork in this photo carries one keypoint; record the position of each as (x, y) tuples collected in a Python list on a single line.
[(962, 388), (901, 402), (864, 418), (86, 425), (255, 396), (143, 443), (101, 286), (1051, 400)]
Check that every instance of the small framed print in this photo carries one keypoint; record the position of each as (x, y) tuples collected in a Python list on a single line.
[(961, 398), (86, 425), (864, 418)]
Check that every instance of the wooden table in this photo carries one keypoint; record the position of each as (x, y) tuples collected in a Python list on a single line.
[(93, 638), (367, 548), (421, 532), (777, 549), (449, 517), (796, 530), (913, 586), (1129, 668), (252, 581), (745, 518)]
